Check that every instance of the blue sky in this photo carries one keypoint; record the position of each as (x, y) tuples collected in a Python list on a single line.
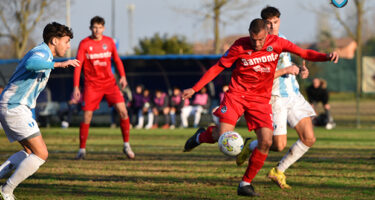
[(299, 24)]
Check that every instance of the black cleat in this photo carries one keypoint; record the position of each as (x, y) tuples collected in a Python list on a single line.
[(191, 143), (247, 190)]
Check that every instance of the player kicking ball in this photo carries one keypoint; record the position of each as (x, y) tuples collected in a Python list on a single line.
[(249, 92), (19, 97), (288, 105), (95, 53)]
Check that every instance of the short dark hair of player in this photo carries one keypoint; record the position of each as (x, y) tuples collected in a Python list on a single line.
[(257, 25), (97, 20), (270, 12), (55, 29)]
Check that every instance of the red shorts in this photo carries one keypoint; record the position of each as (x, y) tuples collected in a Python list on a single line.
[(257, 115), (93, 96)]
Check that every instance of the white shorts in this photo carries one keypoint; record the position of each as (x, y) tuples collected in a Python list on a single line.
[(18, 123), (289, 109)]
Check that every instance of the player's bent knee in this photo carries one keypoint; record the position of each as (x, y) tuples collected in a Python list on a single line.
[(278, 147), (309, 141), (123, 114), (264, 144), (43, 154)]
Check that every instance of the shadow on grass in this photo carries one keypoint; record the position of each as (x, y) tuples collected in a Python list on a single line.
[(64, 191), (146, 179)]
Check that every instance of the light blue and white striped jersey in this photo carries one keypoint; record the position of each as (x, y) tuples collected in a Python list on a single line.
[(29, 79), (285, 85)]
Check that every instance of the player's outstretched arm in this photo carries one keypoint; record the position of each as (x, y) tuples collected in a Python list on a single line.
[(67, 63), (208, 76), (188, 93), (307, 54)]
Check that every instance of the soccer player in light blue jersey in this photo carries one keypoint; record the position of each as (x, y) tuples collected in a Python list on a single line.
[(19, 97), (288, 106)]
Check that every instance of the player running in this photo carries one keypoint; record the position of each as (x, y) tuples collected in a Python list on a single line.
[(249, 92), (95, 53), (19, 97), (288, 105)]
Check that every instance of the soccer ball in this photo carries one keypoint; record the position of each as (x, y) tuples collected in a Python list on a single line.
[(230, 143)]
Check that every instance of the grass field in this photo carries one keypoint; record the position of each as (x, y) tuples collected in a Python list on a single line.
[(340, 166)]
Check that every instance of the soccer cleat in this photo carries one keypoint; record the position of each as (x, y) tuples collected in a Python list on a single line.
[(191, 143), (81, 155), (245, 153), (5, 196), (279, 178), (165, 126), (138, 127), (128, 152), (149, 126), (155, 126), (247, 190)]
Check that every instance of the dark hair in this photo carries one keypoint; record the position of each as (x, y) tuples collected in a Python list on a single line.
[(55, 29), (97, 20), (270, 12), (257, 25)]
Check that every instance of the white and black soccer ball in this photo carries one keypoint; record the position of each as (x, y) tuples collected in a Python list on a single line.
[(230, 143)]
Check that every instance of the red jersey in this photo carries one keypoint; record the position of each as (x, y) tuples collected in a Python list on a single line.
[(253, 75), (95, 57)]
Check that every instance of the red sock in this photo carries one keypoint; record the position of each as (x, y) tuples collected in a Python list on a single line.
[(125, 127), (206, 136), (256, 163), (83, 134)]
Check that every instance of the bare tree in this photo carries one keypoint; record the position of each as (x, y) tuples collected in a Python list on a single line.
[(20, 17), (221, 12)]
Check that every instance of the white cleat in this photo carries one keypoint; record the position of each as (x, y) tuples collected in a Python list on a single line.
[(81, 155), (128, 152), (5, 196), (138, 127)]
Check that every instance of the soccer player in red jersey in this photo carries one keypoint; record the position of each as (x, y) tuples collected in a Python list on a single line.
[(249, 92), (95, 53)]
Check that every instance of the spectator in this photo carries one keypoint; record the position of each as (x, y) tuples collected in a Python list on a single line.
[(137, 103), (146, 109), (199, 105), (317, 92), (161, 102), (176, 104)]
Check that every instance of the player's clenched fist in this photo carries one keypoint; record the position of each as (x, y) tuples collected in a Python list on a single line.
[(76, 93), (292, 70), (188, 93), (334, 57)]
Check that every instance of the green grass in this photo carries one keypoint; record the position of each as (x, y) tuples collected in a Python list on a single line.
[(341, 165)]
